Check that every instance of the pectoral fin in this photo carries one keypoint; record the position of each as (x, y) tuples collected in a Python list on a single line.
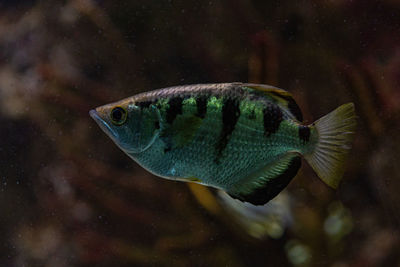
[(264, 184)]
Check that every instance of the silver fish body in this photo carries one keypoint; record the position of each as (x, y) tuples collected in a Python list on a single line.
[(246, 139)]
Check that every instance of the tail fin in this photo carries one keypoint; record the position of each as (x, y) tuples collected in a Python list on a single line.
[(335, 135)]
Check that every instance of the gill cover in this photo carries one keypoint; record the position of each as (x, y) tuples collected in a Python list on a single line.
[(143, 127)]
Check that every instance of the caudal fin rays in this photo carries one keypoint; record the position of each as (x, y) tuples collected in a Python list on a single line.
[(335, 135)]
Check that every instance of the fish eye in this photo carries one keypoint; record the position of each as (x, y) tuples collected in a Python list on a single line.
[(118, 115)]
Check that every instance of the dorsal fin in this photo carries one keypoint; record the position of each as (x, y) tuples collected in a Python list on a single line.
[(279, 96), (264, 184)]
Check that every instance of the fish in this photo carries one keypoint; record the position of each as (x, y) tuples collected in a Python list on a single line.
[(242, 138)]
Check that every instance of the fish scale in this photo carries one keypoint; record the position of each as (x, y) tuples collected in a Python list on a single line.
[(246, 139)]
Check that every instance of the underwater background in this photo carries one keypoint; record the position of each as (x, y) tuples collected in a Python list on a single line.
[(70, 197)]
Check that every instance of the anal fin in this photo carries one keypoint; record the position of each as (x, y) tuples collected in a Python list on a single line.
[(266, 183)]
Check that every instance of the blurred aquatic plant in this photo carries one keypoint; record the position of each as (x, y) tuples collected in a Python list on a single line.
[(338, 223), (298, 253), (271, 219)]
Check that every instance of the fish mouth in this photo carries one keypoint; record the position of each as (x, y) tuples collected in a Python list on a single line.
[(103, 124)]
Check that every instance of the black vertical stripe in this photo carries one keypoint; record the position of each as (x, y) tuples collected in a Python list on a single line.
[(252, 114), (174, 109), (304, 133), (201, 104), (144, 104), (272, 119), (230, 116), (292, 105)]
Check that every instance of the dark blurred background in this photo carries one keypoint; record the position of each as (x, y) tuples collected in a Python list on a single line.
[(70, 197)]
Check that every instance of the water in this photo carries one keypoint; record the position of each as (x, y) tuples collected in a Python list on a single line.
[(70, 197)]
